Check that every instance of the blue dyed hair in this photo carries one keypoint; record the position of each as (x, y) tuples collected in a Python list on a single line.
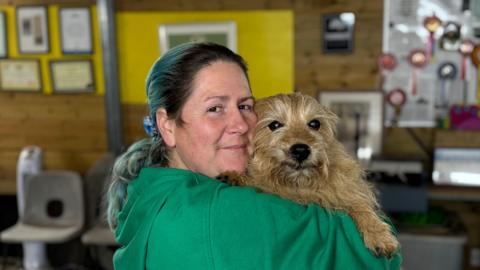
[(168, 86)]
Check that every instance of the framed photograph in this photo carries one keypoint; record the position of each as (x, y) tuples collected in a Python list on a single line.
[(32, 29), (75, 30), (338, 30), (3, 35), (223, 33), (360, 124), (20, 75), (72, 76)]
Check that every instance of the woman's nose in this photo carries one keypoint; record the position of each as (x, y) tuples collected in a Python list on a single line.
[(237, 122)]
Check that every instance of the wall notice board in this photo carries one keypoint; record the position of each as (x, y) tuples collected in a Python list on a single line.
[(430, 42)]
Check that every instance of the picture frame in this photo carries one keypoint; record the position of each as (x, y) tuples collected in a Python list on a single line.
[(72, 76), (338, 32), (75, 30), (21, 75), (360, 125), (223, 33), (3, 35), (32, 29)]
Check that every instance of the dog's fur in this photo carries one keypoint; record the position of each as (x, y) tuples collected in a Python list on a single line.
[(329, 176)]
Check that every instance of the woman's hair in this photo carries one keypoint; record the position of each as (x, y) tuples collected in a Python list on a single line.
[(168, 86)]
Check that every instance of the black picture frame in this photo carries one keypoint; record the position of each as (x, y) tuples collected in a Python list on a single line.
[(338, 32), (72, 76), (3, 35), (76, 30)]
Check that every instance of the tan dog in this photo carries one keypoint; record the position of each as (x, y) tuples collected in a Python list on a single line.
[(297, 157)]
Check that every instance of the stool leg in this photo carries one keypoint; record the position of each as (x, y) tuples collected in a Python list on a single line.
[(35, 256), (4, 256)]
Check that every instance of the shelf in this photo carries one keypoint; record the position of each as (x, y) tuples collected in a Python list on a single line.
[(454, 193)]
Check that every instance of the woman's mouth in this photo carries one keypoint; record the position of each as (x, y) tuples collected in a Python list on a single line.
[(235, 147)]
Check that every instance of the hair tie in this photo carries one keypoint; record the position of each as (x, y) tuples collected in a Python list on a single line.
[(149, 127)]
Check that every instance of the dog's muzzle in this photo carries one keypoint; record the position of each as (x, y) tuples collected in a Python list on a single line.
[(299, 152)]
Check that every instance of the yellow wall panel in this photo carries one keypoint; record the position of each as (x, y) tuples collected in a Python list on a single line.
[(264, 38)]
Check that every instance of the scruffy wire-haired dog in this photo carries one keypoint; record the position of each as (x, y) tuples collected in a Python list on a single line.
[(297, 157)]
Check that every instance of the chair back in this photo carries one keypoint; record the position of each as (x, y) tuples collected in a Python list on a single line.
[(96, 182), (54, 198)]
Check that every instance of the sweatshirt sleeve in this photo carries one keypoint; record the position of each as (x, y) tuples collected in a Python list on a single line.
[(252, 230)]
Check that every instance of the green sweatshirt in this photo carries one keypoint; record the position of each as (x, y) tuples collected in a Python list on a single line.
[(177, 219)]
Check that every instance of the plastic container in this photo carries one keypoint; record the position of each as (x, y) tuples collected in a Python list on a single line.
[(434, 252)]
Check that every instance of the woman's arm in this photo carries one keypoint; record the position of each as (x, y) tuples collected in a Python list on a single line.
[(272, 233), (205, 224)]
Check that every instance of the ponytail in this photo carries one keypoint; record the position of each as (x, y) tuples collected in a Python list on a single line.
[(151, 152)]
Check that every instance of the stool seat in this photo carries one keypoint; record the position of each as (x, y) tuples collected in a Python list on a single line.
[(21, 232), (99, 235)]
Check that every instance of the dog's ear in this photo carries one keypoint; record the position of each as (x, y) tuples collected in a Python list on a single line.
[(260, 107), (332, 119)]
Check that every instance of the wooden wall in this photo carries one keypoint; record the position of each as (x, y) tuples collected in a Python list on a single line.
[(313, 69), (69, 128), (72, 128)]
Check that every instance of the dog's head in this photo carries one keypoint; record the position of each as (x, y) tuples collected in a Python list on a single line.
[(293, 136)]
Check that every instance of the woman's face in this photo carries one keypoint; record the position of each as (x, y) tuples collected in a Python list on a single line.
[(218, 122)]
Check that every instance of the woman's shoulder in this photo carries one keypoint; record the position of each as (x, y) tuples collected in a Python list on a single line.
[(225, 198)]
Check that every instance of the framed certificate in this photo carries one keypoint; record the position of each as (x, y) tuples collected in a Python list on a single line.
[(223, 33), (75, 30), (3, 36), (32, 29), (20, 75), (360, 124), (72, 76)]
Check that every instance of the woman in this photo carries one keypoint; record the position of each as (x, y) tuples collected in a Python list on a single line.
[(178, 217)]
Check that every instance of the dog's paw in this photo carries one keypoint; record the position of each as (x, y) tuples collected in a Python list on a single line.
[(382, 243), (231, 177), (222, 178)]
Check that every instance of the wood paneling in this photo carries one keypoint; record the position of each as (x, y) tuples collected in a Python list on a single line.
[(72, 128), (314, 70), (457, 138), (133, 122), (69, 128), (47, 2)]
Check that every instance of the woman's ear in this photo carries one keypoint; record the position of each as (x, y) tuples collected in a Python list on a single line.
[(166, 127)]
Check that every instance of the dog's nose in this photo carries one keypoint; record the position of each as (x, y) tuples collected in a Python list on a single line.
[(300, 151)]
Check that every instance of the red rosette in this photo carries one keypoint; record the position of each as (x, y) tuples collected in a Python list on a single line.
[(397, 97), (466, 47), (417, 58), (387, 61), (432, 23)]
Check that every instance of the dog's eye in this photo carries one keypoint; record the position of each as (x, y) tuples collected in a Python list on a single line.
[(315, 124), (275, 125)]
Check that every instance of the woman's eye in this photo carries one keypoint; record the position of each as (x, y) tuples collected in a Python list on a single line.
[(215, 109), (314, 124), (246, 107), (275, 125)]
